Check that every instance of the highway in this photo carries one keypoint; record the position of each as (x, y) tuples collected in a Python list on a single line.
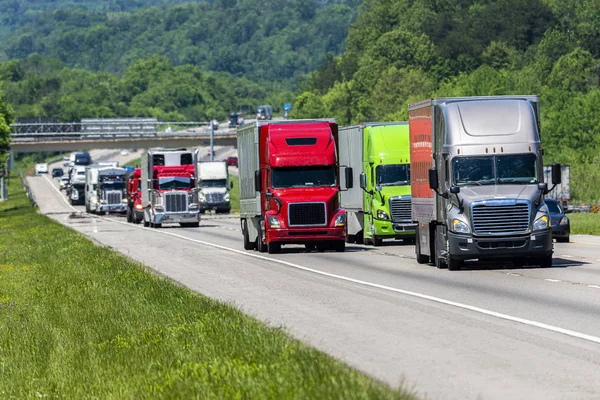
[(486, 332)]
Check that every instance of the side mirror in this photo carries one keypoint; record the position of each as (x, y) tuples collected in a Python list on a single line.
[(363, 180), (349, 178), (257, 180), (231, 185), (556, 174), (433, 179), (543, 187), (454, 189)]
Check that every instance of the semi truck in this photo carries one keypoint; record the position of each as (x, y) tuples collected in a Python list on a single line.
[(214, 186), (289, 186), (378, 203), (562, 192), (264, 113), (169, 190), (105, 190), (478, 182), (76, 187), (135, 211)]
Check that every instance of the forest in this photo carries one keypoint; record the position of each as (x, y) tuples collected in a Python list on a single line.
[(355, 62)]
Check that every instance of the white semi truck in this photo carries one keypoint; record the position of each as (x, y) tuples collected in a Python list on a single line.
[(105, 189), (214, 186)]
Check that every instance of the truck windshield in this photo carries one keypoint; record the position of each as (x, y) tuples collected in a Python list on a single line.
[(303, 177), (174, 182), (214, 183), (113, 185), (393, 175), (495, 170)]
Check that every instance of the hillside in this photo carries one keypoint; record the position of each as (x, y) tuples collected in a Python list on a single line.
[(405, 51), (258, 39)]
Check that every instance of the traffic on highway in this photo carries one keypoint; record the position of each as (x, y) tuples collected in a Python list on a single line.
[(342, 232)]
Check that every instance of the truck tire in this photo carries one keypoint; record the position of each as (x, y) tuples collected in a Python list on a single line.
[(351, 238), (248, 245), (129, 216), (156, 226), (260, 245), (454, 264), (190, 224), (359, 238), (146, 223), (377, 241), (421, 258), (274, 247), (340, 246), (546, 261), (310, 246)]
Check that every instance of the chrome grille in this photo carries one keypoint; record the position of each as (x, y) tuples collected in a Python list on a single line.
[(212, 198), (500, 218), (113, 197), (175, 202), (400, 209), (304, 214)]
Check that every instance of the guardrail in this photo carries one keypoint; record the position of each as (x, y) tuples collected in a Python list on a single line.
[(27, 190)]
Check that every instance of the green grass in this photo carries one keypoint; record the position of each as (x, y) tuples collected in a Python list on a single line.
[(82, 321), (235, 193), (585, 223), (135, 163)]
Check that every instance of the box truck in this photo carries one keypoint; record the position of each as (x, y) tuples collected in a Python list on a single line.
[(378, 203), (478, 181)]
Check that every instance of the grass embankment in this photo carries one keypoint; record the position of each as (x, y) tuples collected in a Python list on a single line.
[(585, 223), (235, 193), (81, 321)]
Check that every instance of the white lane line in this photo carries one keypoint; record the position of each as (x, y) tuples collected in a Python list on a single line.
[(60, 194), (594, 286), (553, 280), (566, 255), (512, 274), (479, 310)]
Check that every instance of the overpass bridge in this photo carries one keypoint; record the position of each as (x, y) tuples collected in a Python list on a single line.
[(116, 134)]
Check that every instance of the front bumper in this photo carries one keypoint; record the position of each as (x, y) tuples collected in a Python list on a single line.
[(561, 231), (180, 217), (120, 208), (389, 229), (467, 247), (305, 235), (215, 206)]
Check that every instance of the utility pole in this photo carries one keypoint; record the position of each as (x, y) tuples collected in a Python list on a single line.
[(3, 187), (212, 137)]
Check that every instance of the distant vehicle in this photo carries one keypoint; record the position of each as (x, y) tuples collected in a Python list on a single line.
[(264, 113), (561, 226), (232, 161), (105, 189), (124, 152), (80, 158), (214, 186), (64, 181), (41, 168), (215, 124), (57, 172), (65, 161), (287, 107), (236, 119)]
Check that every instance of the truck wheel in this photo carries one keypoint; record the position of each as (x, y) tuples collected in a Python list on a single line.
[(260, 245), (156, 225), (377, 241), (454, 264), (351, 238), (562, 240), (128, 213), (274, 247), (146, 223), (359, 238), (439, 262), (421, 258), (545, 262), (248, 245), (340, 246), (310, 246), (189, 224)]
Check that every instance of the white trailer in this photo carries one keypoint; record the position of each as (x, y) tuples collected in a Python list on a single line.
[(214, 186), (562, 191)]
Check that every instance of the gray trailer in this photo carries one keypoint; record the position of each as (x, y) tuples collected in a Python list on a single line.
[(478, 182)]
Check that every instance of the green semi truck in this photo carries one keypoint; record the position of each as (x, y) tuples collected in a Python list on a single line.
[(378, 199)]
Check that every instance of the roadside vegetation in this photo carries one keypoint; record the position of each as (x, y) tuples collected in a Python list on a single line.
[(585, 223), (235, 194), (81, 321)]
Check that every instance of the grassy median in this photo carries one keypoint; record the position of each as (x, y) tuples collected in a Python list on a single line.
[(82, 321), (585, 223)]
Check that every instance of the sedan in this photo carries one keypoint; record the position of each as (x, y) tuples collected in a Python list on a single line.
[(559, 222), (232, 161)]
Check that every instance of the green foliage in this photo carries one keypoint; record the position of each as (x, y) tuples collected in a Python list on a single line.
[(6, 118), (264, 40), (400, 52), (585, 224), (81, 321)]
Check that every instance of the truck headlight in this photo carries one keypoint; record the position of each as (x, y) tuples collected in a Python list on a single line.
[(564, 221), (193, 206), (541, 223), (382, 215), (274, 222), (459, 226), (227, 197), (125, 200), (340, 221), (94, 201)]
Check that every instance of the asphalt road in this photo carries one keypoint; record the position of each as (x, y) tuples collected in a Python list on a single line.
[(487, 332)]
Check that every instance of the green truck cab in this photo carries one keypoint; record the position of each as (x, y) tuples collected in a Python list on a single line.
[(378, 199)]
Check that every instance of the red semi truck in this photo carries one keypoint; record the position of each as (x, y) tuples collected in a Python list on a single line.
[(135, 210), (289, 185)]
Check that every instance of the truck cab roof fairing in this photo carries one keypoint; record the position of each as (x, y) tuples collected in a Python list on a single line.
[(282, 154)]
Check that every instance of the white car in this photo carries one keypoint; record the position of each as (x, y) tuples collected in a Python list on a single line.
[(41, 168)]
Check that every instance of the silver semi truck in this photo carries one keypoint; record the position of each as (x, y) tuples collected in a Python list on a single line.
[(477, 181)]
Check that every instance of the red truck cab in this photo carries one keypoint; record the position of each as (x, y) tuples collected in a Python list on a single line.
[(298, 181), (135, 210)]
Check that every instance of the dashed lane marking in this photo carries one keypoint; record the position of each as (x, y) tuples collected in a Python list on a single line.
[(553, 280), (479, 310), (594, 286)]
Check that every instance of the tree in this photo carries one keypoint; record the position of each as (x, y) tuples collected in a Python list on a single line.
[(6, 118)]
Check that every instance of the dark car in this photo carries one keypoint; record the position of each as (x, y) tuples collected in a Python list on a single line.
[(561, 226), (232, 161), (57, 172)]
